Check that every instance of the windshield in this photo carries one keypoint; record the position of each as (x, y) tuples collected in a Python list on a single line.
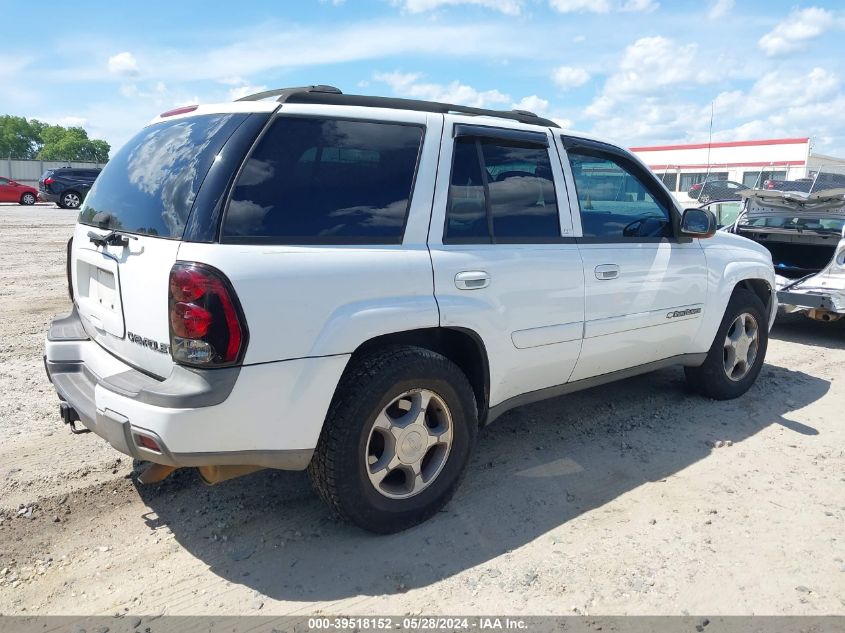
[(150, 185)]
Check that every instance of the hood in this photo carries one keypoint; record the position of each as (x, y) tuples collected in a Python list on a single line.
[(725, 239), (773, 203)]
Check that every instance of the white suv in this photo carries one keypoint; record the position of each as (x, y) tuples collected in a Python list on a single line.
[(354, 285)]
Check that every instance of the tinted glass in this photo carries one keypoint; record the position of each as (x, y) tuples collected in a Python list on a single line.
[(613, 201), (466, 214), (519, 194), (522, 192), (688, 180), (150, 185), (755, 179), (670, 180), (314, 180)]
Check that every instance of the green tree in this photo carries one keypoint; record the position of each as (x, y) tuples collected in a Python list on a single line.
[(18, 137), (24, 139)]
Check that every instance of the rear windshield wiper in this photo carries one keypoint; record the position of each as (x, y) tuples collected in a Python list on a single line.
[(112, 238)]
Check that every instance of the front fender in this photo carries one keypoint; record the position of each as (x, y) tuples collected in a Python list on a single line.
[(722, 281)]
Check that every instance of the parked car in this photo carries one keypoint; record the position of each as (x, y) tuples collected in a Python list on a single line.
[(820, 182), (12, 191), (801, 184), (355, 285), (67, 186), (716, 190), (805, 233)]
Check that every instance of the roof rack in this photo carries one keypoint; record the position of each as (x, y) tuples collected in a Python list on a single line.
[(330, 95)]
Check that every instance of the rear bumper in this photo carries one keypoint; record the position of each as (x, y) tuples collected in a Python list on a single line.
[(263, 415), (811, 301), (46, 196)]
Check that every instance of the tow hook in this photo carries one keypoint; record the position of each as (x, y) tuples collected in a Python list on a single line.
[(71, 417)]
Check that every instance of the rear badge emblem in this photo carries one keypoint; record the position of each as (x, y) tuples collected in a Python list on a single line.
[(155, 346)]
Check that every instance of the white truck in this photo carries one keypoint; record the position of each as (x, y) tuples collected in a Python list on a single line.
[(353, 285)]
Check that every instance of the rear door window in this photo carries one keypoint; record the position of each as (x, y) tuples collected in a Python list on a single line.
[(501, 191), (326, 181)]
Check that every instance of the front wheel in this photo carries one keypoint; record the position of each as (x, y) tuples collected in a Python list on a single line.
[(396, 440), (736, 357), (28, 199), (70, 200)]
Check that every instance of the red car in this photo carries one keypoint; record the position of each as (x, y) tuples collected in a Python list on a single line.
[(11, 191)]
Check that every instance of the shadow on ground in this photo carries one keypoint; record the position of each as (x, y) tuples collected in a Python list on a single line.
[(534, 469), (800, 329)]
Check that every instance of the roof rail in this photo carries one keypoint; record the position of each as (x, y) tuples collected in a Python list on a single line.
[(284, 93), (329, 95)]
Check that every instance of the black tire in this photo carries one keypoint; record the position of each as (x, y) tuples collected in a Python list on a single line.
[(711, 379), (339, 468), (70, 200), (28, 199)]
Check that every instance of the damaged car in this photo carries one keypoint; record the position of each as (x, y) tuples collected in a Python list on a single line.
[(805, 233)]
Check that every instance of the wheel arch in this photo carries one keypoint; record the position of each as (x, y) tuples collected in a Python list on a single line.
[(758, 278), (462, 346)]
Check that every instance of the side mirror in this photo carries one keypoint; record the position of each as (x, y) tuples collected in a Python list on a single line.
[(14, 183), (698, 223)]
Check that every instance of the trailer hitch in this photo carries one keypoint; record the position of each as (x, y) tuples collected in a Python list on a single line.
[(71, 417)]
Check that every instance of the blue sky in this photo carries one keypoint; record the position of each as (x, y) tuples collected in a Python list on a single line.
[(636, 71)]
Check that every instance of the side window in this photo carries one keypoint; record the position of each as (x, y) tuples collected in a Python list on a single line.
[(319, 181), (4, 181), (501, 191), (466, 211), (613, 200)]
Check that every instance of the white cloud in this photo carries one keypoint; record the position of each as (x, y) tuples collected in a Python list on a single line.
[(792, 33), (508, 7), (649, 64), (570, 77), (640, 6), (123, 64), (580, 6), (534, 104), (777, 92), (603, 6), (241, 87), (720, 8), (408, 85), (67, 120)]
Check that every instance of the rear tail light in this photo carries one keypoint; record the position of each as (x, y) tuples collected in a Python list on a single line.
[(48, 181), (207, 326)]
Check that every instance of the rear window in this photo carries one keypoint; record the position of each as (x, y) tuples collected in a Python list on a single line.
[(326, 181), (150, 185)]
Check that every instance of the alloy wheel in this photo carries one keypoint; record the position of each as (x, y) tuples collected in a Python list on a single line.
[(409, 444), (741, 344)]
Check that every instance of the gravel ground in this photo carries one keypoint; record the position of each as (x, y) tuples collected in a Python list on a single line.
[(633, 498)]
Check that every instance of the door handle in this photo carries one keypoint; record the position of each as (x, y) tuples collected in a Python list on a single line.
[(607, 271), (472, 280)]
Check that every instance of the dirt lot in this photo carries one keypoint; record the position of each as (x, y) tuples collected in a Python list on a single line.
[(609, 501)]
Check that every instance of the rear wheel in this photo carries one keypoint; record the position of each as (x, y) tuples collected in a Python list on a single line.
[(70, 200), (28, 199), (396, 440), (736, 356)]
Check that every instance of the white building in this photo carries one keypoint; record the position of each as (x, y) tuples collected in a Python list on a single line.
[(746, 162)]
